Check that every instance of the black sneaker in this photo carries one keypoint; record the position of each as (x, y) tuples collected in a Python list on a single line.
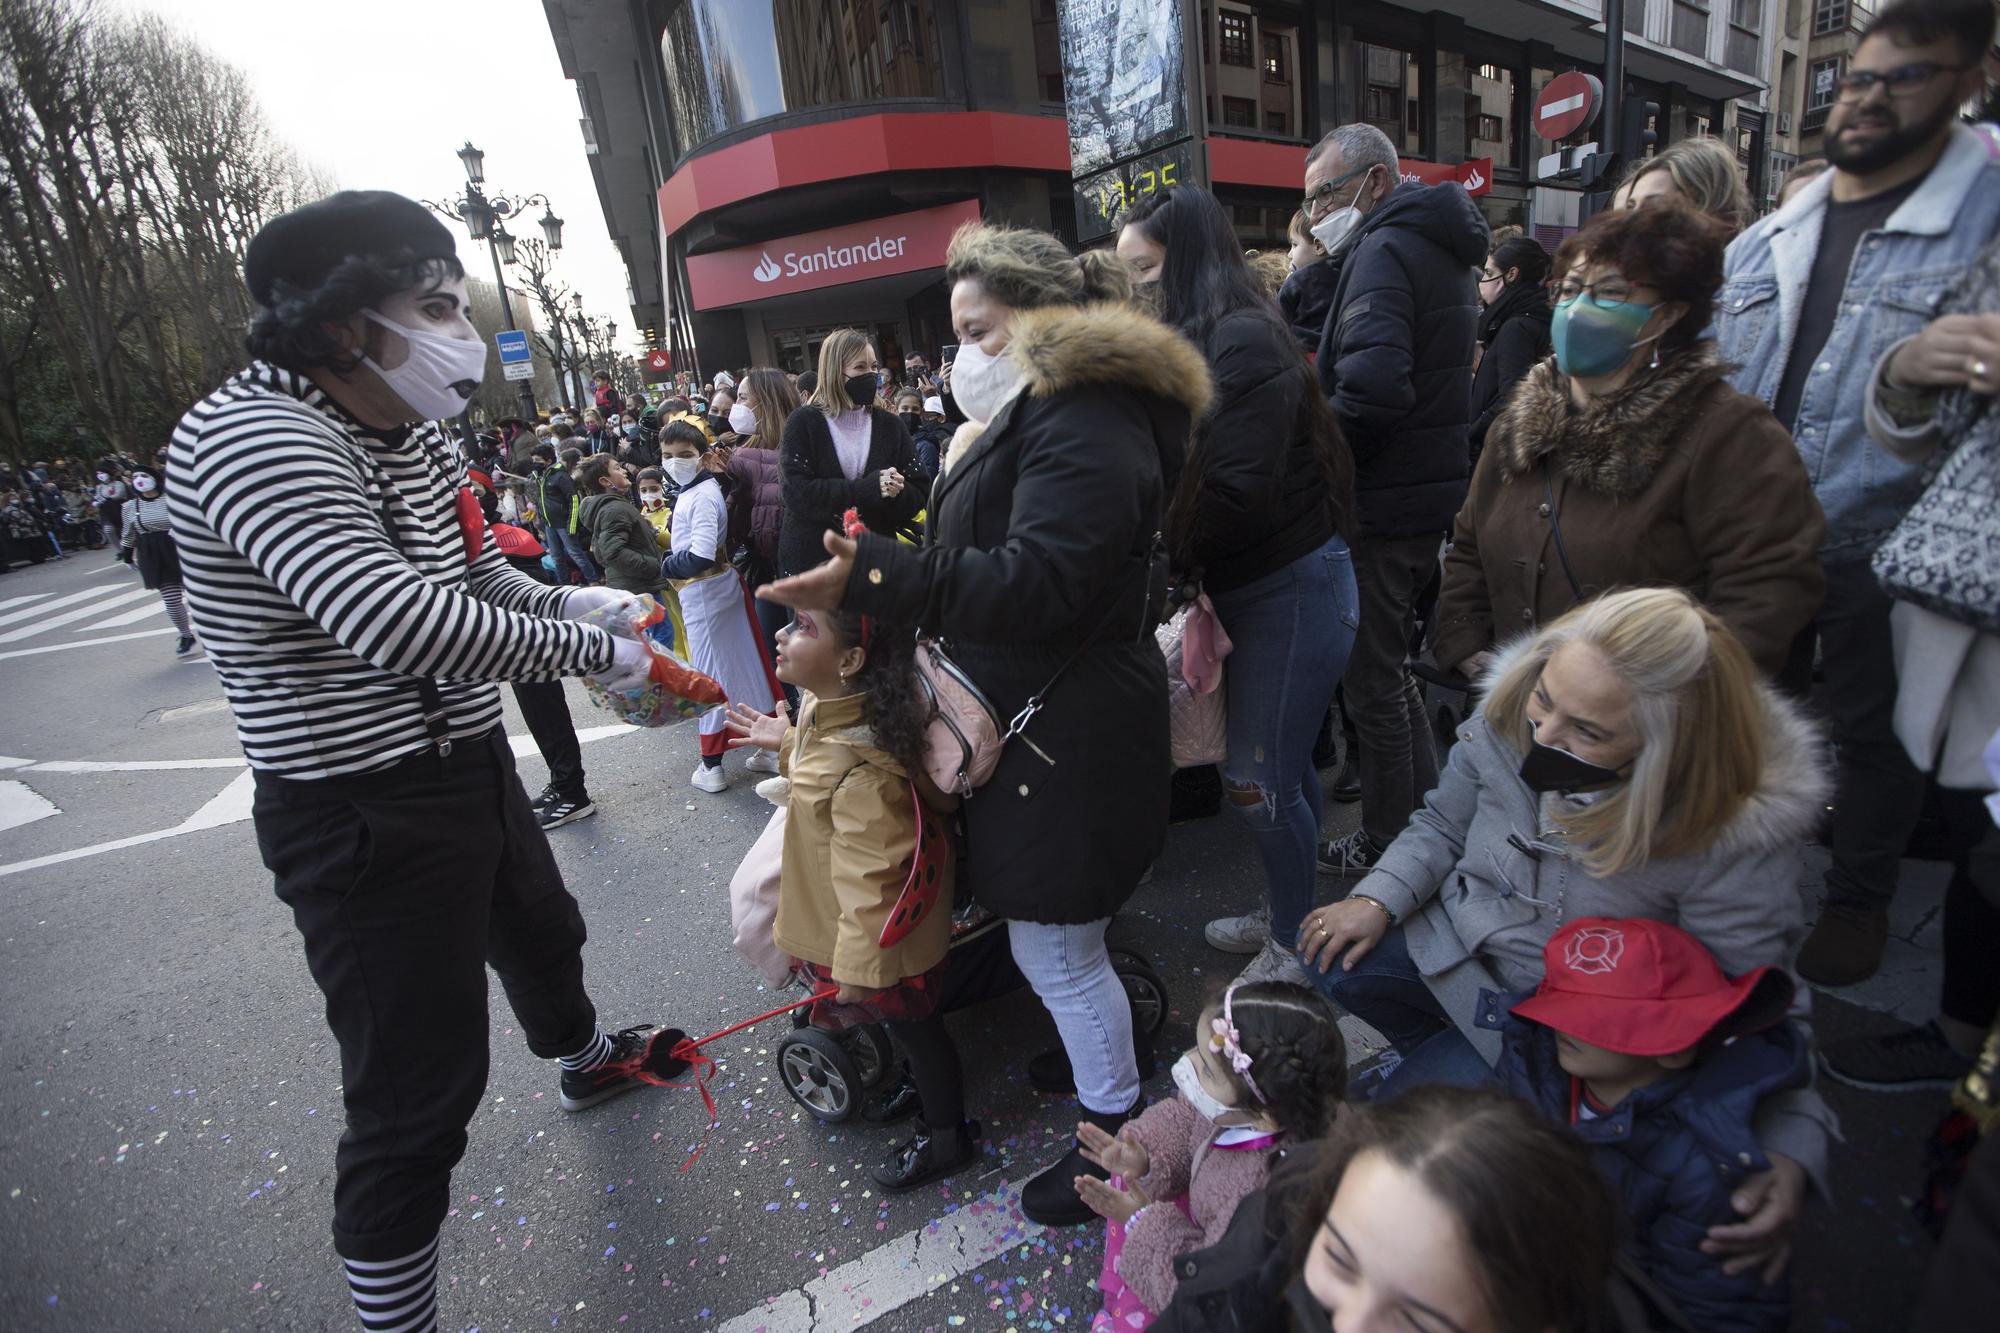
[(1350, 857), (565, 810), (1050, 1197), (1902, 1061), (185, 646), (926, 1156), (639, 1055), (548, 793)]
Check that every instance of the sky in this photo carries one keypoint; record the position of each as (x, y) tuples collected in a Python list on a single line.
[(380, 94)]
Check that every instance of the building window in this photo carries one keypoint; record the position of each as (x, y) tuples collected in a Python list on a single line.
[(1382, 104), (1491, 72), (1235, 30), (1820, 91), (1239, 113), (1829, 16), (1274, 122), (1690, 27), (1274, 56), (1488, 128)]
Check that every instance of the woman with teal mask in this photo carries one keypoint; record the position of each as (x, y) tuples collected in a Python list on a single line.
[(1626, 460)]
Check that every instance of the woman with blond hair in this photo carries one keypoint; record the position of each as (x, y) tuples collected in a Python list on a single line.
[(1045, 574), (842, 450), (1701, 173), (1627, 762)]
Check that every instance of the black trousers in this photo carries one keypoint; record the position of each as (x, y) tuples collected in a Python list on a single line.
[(545, 709), (405, 884), (1969, 990)]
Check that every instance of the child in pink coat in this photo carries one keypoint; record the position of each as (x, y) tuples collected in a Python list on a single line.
[(1267, 1069)]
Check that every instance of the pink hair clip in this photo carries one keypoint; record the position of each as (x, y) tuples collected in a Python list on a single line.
[(1232, 1043)]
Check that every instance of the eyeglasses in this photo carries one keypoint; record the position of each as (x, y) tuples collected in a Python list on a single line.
[(1901, 82), (1604, 293), (1324, 194)]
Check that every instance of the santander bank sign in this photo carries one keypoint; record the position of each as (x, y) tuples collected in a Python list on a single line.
[(904, 243)]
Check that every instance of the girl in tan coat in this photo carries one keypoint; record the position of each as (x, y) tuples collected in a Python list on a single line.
[(858, 801)]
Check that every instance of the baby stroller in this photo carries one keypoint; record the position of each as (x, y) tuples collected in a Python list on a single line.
[(830, 1074)]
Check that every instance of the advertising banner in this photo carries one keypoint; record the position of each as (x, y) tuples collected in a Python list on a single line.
[(903, 243)]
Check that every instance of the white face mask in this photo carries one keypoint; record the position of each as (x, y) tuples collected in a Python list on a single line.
[(652, 499), (982, 384), (1338, 225), (1185, 1077), (742, 420), (682, 470), (439, 376)]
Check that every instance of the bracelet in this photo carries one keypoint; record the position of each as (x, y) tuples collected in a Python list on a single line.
[(1375, 903)]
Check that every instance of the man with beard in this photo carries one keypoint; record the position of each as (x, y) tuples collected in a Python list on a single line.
[(1812, 297)]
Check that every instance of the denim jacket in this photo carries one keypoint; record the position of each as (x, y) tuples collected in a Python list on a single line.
[(1900, 275)]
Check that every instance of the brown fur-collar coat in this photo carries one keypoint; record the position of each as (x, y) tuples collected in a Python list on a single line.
[(1675, 480)]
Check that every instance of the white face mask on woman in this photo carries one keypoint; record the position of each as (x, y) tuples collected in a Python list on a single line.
[(742, 419), (440, 374), (981, 383)]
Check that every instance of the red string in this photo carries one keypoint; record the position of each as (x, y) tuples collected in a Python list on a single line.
[(688, 1052)]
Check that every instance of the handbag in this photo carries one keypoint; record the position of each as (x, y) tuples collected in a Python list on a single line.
[(1194, 644), (1945, 554)]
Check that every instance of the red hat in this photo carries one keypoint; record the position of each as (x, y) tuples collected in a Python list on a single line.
[(479, 477), (1642, 987)]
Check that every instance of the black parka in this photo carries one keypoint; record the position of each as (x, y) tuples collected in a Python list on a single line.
[(816, 492), (1397, 357), (1043, 531)]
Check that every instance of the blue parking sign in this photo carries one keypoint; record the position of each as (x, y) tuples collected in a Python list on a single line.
[(513, 345)]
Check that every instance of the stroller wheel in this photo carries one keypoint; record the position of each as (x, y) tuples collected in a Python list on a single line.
[(867, 1044), (819, 1074), (1145, 989)]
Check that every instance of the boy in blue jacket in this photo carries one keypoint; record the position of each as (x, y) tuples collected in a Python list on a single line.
[(1656, 1060)]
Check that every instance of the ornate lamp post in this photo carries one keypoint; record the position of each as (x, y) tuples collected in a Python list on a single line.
[(485, 217)]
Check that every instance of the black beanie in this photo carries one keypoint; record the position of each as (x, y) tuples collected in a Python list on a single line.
[(303, 246)]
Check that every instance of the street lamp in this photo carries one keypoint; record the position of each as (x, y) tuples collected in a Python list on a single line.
[(485, 216)]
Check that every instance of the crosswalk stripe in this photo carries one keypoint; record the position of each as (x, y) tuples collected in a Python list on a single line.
[(45, 607), (85, 643), (125, 618), (97, 605), (23, 599)]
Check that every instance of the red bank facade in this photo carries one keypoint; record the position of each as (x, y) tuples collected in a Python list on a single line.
[(774, 169)]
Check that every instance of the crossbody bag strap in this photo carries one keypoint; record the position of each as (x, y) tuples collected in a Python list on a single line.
[(1555, 526), (1147, 562), (429, 697)]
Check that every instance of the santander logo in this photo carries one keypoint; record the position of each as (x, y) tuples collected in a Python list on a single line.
[(767, 271)]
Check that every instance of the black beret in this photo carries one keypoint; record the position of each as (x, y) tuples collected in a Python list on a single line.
[(303, 246)]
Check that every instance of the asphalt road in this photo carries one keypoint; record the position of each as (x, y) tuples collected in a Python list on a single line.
[(169, 1097)]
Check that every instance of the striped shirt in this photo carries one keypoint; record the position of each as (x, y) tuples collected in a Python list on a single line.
[(316, 623), (143, 514)]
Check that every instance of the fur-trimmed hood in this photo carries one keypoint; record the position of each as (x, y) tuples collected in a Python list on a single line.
[(1614, 445), (1068, 347), (1791, 794)]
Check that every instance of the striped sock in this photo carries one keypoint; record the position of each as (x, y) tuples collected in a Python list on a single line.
[(176, 610), (590, 1057), (396, 1295)]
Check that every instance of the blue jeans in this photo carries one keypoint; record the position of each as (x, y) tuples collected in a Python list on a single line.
[(570, 548), (1071, 972), (1292, 630), (1386, 991)]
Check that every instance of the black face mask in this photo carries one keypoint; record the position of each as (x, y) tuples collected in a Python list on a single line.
[(1306, 1314), (911, 420), (1545, 768), (860, 389)]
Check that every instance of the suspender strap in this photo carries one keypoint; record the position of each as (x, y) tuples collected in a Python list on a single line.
[(429, 697)]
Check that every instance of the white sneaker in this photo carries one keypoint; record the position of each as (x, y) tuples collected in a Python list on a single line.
[(1240, 934), (709, 779), (1275, 964), (761, 761)]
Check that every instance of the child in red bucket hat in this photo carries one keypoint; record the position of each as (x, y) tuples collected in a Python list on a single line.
[(1638, 1042)]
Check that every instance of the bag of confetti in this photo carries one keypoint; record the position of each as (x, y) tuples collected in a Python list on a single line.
[(675, 692)]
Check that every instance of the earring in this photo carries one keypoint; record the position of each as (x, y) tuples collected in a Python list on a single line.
[(1656, 357)]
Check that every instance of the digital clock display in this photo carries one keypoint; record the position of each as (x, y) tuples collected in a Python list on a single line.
[(1101, 199)]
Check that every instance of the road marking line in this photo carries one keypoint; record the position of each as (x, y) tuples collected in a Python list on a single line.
[(888, 1277), (195, 710), (24, 599), (98, 606), (129, 618), (9, 761), (44, 604), (85, 643), (21, 804), (131, 765)]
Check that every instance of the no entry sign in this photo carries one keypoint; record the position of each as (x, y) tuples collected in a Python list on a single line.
[(1567, 104)]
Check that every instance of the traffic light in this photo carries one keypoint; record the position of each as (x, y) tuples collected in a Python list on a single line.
[(1635, 129)]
